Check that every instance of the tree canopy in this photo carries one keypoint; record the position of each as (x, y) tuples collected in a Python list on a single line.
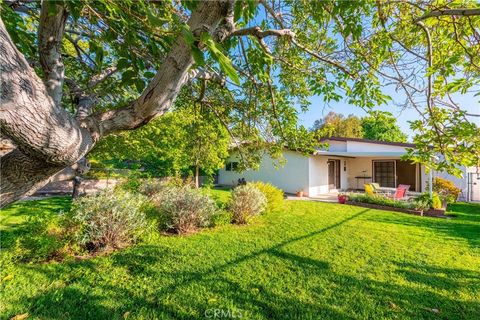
[(378, 125), (382, 126), (74, 72), (336, 124)]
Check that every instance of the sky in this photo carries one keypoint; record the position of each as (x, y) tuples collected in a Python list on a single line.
[(319, 109)]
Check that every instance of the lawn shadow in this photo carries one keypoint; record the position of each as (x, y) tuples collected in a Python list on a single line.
[(464, 227), (197, 287)]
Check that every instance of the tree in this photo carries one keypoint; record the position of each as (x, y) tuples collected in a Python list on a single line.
[(382, 126), (74, 72), (173, 144), (334, 124)]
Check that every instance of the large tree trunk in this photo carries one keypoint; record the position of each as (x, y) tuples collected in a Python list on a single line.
[(47, 137)]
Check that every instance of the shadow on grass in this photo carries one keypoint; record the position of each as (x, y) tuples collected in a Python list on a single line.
[(187, 294), (465, 226), (14, 219)]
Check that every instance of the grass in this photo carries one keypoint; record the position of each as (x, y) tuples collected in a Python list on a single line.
[(310, 261)]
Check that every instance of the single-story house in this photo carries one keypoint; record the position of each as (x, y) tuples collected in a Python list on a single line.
[(347, 164)]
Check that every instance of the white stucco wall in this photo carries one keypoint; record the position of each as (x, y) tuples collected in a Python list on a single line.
[(337, 145), (318, 174), (290, 177), (356, 146)]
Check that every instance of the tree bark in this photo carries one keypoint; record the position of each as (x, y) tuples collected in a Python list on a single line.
[(53, 16), (48, 138)]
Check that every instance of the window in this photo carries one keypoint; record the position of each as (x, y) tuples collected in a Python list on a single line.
[(231, 166), (384, 173)]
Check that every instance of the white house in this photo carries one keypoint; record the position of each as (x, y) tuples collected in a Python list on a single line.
[(347, 164)]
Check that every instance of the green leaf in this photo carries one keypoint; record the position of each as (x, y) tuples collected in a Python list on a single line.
[(224, 62)]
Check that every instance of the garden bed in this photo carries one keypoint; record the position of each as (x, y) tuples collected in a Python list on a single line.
[(429, 213)]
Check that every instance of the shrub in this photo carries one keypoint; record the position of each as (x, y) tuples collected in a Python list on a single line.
[(446, 189), (149, 187), (247, 201), (184, 209), (273, 195), (383, 201), (107, 220)]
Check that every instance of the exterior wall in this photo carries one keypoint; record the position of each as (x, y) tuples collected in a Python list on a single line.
[(318, 174), (355, 146), (337, 146), (290, 177)]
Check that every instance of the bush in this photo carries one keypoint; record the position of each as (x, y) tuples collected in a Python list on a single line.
[(273, 195), (446, 189), (184, 209), (107, 220), (247, 201), (365, 198)]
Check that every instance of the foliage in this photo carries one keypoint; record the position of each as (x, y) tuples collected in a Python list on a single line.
[(170, 145), (346, 50), (434, 202), (247, 201), (273, 195), (446, 189), (107, 220), (421, 203), (382, 126), (383, 201), (184, 209), (336, 125), (379, 254)]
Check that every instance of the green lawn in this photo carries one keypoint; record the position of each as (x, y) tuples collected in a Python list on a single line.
[(310, 261)]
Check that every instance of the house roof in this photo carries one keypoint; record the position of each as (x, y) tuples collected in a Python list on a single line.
[(400, 144)]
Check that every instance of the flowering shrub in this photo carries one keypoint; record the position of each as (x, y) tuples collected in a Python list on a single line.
[(247, 201), (446, 189)]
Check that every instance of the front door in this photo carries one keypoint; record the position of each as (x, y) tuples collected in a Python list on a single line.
[(333, 174)]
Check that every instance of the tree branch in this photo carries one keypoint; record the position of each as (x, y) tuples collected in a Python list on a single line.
[(464, 12), (161, 92), (259, 33), (53, 16)]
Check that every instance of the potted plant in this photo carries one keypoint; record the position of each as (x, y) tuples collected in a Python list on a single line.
[(300, 193), (342, 198)]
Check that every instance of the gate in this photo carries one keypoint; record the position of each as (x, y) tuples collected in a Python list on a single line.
[(473, 187)]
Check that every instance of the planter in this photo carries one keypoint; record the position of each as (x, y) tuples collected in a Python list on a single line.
[(342, 198), (299, 194), (435, 212), (387, 208), (439, 213)]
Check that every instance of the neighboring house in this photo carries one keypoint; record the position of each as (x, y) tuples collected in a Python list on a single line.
[(347, 164)]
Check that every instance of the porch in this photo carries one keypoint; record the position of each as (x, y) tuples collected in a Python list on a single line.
[(345, 171)]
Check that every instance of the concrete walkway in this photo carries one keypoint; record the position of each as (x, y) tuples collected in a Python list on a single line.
[(327, 197)]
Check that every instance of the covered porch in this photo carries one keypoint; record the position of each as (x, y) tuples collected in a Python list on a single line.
[(348, 171)]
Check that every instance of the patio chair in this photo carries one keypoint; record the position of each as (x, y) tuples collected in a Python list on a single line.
[(369, 189), (401, 192), (377, 189)]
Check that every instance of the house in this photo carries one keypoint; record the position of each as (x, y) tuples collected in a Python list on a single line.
[(347, 164)]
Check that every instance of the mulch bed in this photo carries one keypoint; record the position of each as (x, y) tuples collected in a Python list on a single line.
[(429, 213)]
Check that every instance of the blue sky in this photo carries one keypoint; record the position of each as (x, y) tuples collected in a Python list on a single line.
[(319, 109)]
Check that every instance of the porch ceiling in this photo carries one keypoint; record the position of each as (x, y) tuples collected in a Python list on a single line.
[(346, 154)]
